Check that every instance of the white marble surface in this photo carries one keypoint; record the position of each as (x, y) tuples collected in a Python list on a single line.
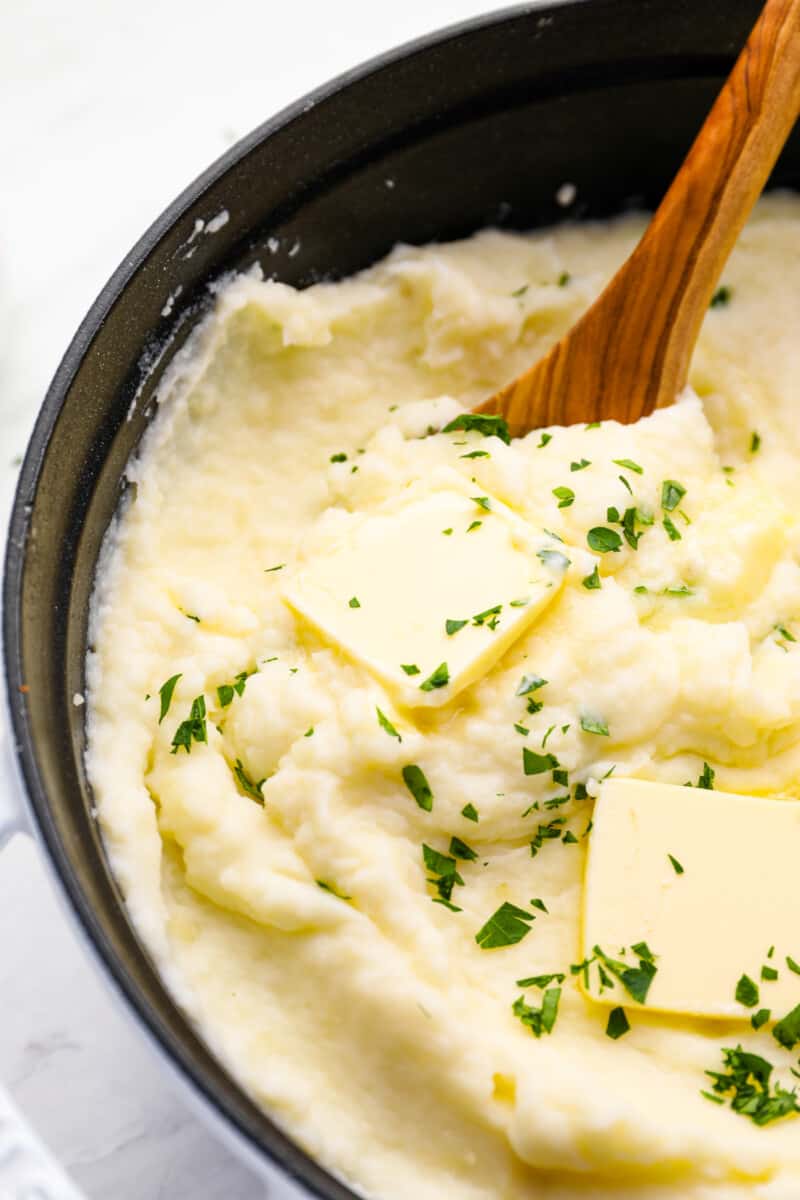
[(106, 110)]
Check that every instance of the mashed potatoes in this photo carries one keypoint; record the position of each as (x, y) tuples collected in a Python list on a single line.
[(265, 833)]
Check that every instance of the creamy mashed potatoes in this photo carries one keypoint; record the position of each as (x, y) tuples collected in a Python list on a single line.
[(267, 842)]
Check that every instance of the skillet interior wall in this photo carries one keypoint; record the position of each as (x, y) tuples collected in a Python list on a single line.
[(478, 128)]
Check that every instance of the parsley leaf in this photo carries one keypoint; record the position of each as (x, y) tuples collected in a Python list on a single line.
[(545, 438), (541, 981), (747, 992), (482, 502), (461, 850), (470, 812), (760, 1018), (437, 679), (564, 495), (193, 729), (594, 725), (505, 927), (787, 1030), (706, 779), (534, 763), (546, 833), (677, 867), (554, 558), (539, 1020), (590, 582), (252, 789), (452, 627), (487, 424), (792, 965), (529, 683), (354, 602), (417, 784), (580, 466), (339, 458), (603, 540), (410, 668), (672, 493), (165, 692), (386, 724), (618, 1023), (629, 465), (673, 533), (755, 442)]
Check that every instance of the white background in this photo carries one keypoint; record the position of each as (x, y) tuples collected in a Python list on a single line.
[(107, 109)]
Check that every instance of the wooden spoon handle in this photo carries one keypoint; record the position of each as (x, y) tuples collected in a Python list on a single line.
[(631, 350)]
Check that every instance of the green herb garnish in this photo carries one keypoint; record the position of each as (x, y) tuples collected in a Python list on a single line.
[(410, 668), (470, 812), (787, 1030), (488, 425), (193, 729), (539, 1020), (541, 981), (672, 532), (461, 850), (618, 1023), (536, 764), (505, 927), (564, 495), (590, 582), (165, 692), (676, 866), (416, 782), (452, 627), (721, 297), (437, 679), (354, 602), (672, 493), (529, 683), (603, 541), (339, 458), (747, 1082), (629, 465), (746, 992), (594, 725), (387, 725), (580, 466), (247, 785)]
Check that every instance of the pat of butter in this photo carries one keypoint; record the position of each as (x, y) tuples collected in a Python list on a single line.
[(736, 897), (386, 591)]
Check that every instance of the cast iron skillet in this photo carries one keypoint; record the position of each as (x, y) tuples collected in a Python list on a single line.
[(475, 126)]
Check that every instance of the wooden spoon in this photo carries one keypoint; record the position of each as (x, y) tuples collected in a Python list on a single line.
[(630, 351)]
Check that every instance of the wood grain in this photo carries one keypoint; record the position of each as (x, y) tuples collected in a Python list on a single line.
[(630, 351)]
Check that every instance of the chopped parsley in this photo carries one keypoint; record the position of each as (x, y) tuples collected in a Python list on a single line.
[(746, 1081), (534, 763), (444, 868), (487, 424), (769, 974), (569, 838), (590, 582), (416, 782), (618, 1023), (540, 904), (461, 850), (564, 495), (354, 602), (676, 866), (706, 779), (680, 589), (760, 1018), (226, 691), (523, 729), (580, 466), (470, 812), (539, 1020), (755, 442), (410, 668), (635, 980), (554, 558), (529, 683), (489, 616), (563, 279), (386, 724), (545, 438), (520, 291), (437, 679), (477, 454), (165, 692), (721, 297), (603, 540), (541, 981), (329, 887), (482, 502), (521, 603), (505, 927), (594, 725), (339, 458), (672, 493), (787, 1030), (269, 570), (792, 965), (746, 992), (447, 532), (193, 729), (452, 627), (628, 464), (249, 786), (673, 533), (474, 525), (550, 832)]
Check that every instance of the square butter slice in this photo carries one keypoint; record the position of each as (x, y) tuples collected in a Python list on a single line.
[(385, 592), (736, 897)]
